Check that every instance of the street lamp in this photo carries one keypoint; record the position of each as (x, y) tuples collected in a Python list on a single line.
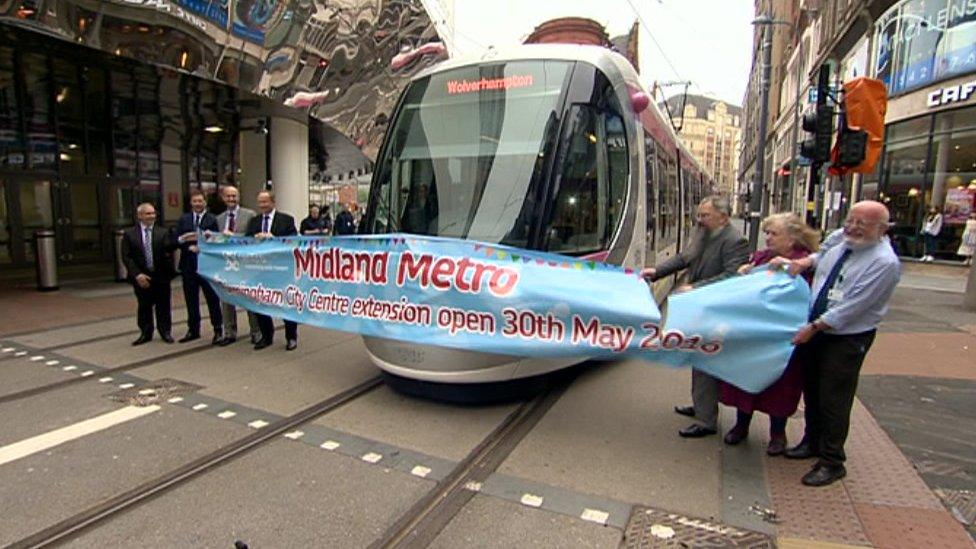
[(758, 183)]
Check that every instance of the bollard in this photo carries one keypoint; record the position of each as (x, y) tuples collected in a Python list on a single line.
[(46, 255), (969, 298), (121, 274)]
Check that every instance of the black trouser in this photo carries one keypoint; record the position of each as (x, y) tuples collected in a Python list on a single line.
[(831, 366), (267, 328), (157, 296), (192, 284)]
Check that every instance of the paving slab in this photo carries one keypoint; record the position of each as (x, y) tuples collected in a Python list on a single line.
[(943, 355), (21, 374), (443, 430), (614, 434), (283, 382), (283, 494), (44, 488), (489, 522), (29, 417)]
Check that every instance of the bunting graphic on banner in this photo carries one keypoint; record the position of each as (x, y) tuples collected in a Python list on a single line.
[(496, 299)]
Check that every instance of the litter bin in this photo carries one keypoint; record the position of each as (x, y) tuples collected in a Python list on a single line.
[(121, 274), (46, 255)]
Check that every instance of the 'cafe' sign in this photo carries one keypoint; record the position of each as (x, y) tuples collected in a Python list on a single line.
[(951, 94)]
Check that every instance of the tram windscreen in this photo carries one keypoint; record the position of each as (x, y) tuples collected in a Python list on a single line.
[(466, 151)]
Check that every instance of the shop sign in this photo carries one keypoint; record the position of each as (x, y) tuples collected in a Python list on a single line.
[(951, 94)]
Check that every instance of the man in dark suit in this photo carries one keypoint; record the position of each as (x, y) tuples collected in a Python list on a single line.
[(198, 219), (716, 253), (147, 251), (268, 223)]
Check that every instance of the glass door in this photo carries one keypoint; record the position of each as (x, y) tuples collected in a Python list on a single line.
[(26, 206), (6, 245), (79, 223)]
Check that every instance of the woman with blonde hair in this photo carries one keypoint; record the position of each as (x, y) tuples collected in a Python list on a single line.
[(788, 236)]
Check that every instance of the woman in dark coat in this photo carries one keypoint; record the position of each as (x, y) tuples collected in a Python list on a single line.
[(788, 236)]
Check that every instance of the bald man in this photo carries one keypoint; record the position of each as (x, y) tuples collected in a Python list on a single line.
[(853, 282)]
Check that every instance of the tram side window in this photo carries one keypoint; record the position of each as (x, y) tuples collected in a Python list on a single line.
[(668, 202), (690, 185), (651, 175)]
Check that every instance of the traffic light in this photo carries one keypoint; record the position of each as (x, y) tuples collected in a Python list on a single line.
[(861, 134), (820, 123)]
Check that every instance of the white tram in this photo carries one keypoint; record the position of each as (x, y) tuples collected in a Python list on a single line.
[(541, 147)]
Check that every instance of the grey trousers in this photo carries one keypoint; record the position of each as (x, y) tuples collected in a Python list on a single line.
[(704, 396), (229, 313)]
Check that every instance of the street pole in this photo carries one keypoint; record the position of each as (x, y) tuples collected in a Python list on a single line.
[(969, 298), (756, 195)]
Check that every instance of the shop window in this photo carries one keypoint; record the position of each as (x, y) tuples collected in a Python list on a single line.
[(953, 167), (905, 183)]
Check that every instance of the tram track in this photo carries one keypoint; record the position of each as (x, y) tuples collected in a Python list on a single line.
[(422, 523), (115, 505)]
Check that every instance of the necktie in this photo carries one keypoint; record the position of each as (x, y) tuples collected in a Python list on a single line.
[(820, 304), (196, 222), (147, 246), (264, 225), (230, 221)]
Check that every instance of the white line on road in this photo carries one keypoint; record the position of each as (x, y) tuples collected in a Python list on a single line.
[(20, 353), (595, 515), (35, 358), (257, 424), (9, 349), (53, 362), (329, 445), (531, 500), (227, 414), (54, 438)]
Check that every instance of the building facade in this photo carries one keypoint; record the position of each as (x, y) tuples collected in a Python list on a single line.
[(108, 103), (925, 53), (712, 130)]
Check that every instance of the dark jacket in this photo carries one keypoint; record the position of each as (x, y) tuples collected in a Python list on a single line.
[(188, 259), (281, 225), (135, 259), (709, 258), (323, 223), (344, 223)]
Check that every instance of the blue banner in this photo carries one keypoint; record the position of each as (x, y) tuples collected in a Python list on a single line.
[(497, 299)]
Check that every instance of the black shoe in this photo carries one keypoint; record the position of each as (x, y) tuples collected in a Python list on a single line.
[(291, 345), (255, 339), (735, 435), (226, 341), (190, 336), (696, 431), (685, 410), (144, 338), (822, 475), (261, 344), (217, 338), (166, 337), (803, 450)]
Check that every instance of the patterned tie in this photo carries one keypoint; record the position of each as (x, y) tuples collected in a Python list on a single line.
[(820, 305), (264, 225), (230, 221), (147, 246), (196, 222)]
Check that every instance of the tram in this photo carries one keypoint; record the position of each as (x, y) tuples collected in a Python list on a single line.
[(543, 147)]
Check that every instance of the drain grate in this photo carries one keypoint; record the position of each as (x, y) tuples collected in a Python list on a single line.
[(962, 503), (154, 392), (653, 529)]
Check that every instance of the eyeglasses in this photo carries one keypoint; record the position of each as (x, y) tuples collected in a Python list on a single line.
[(860, 223)]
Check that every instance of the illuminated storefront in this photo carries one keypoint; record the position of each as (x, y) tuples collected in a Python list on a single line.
[(926, 53)]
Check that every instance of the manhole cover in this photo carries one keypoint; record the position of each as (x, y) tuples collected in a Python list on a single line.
[(650, 528), (154, 392)]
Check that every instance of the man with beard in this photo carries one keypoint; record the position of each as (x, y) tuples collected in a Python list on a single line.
[(717, 252), (853, 282)]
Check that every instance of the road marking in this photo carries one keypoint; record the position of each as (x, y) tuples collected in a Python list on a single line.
[(104, 379), (330, 445), (531, 500), (257, 424), (473, 486), (9, 349), (175, 400), (35, 358), (420, 471), (70, 368), (54, 438), (87, 373), (127, 385), (372, 457), (147, 392), (227, 414), (20, 353), (199, 407), (595, 515), (295, 435), (52, 362)]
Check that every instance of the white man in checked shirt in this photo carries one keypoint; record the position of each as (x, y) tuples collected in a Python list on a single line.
[(853, 282)]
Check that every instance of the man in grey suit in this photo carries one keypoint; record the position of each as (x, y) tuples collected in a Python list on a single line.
[(716, 253), (234, 221)]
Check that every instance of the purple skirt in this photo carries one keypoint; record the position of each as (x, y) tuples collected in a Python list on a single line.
[(779, 399)]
